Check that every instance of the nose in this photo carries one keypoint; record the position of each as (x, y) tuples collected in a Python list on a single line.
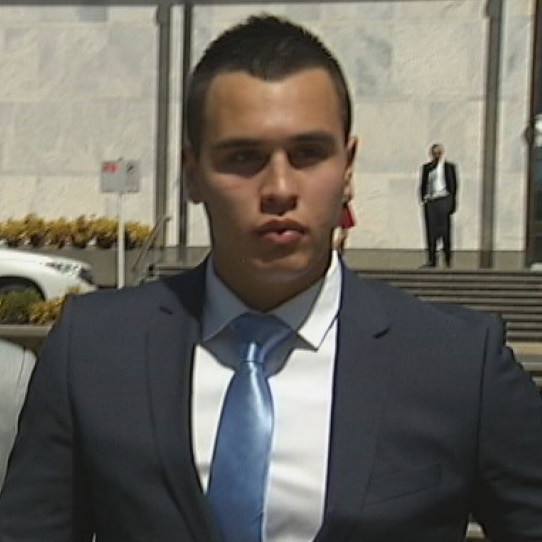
[(279, 185)]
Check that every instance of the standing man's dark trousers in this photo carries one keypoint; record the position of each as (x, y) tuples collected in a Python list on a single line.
[(437, 226)]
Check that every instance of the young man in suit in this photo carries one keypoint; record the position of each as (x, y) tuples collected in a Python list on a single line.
[(393, 419), (438, 189)]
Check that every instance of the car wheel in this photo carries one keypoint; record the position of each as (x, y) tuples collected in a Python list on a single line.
[(19, 286)]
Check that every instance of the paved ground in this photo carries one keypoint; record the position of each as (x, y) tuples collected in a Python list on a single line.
[(530, 355), (529, 352)]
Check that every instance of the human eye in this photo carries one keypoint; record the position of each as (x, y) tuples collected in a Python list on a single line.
[(308, 154), (244, 162)]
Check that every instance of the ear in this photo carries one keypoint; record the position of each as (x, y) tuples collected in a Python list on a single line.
[(192, 175), (351, 149)]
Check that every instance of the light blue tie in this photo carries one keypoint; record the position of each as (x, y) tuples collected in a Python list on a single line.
[(238, 479)]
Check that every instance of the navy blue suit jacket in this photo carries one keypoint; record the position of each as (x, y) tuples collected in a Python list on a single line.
[(432, 419)]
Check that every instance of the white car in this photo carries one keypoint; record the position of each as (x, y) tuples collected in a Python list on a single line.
[(50, 276)]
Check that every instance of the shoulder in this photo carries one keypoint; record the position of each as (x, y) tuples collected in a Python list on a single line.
[(183, 291), (410, 314), (111, 299), (439, 339), (417, 337), (176, 287)]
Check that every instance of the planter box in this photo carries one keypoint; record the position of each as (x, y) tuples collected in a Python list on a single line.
[(28, 336)]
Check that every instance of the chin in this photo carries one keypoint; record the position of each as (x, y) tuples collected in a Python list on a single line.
[(290, 269)]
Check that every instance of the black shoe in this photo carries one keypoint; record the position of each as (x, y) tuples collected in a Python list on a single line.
[(427, 265)]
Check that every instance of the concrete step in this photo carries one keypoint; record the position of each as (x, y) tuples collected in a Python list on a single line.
[(481, 295), (437, 274), (525, 336)]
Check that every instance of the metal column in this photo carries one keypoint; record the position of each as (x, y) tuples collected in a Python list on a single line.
[(163, 19), (494, 11)]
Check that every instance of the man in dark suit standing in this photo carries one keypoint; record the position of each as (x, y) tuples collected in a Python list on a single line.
[(438, 189), (390, 419)]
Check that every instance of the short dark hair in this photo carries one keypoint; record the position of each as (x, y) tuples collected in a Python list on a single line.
[(266, 47)]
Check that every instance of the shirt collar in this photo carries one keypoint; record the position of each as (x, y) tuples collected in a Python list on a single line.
[(311, 313)]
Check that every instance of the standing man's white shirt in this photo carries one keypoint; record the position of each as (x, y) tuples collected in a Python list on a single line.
[(437, 178), (302, 395)]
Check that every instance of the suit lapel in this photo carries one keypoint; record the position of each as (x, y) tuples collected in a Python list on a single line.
[(361, 373), (173, 333)]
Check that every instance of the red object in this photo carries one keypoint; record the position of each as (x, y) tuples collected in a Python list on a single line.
[(347, 217), (110, 167)]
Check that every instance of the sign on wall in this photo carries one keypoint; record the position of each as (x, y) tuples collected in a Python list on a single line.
[(121, 176)]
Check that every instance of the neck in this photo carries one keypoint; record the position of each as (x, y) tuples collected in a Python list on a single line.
[(264, 292)]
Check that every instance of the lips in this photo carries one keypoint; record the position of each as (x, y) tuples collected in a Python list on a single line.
[(281, 231)]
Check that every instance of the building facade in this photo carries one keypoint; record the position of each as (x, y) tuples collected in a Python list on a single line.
[(84, 84)]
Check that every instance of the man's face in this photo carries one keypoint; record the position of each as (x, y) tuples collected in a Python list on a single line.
[(437, 152), (272, 172)]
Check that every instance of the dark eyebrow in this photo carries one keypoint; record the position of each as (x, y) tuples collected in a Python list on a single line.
[(309, 137), (315, 137), (239, 143)]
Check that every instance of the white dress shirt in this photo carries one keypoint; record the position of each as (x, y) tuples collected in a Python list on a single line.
[(302, 395), (437, 180)]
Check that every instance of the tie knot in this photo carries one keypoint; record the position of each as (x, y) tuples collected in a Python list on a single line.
[(258, 335)]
